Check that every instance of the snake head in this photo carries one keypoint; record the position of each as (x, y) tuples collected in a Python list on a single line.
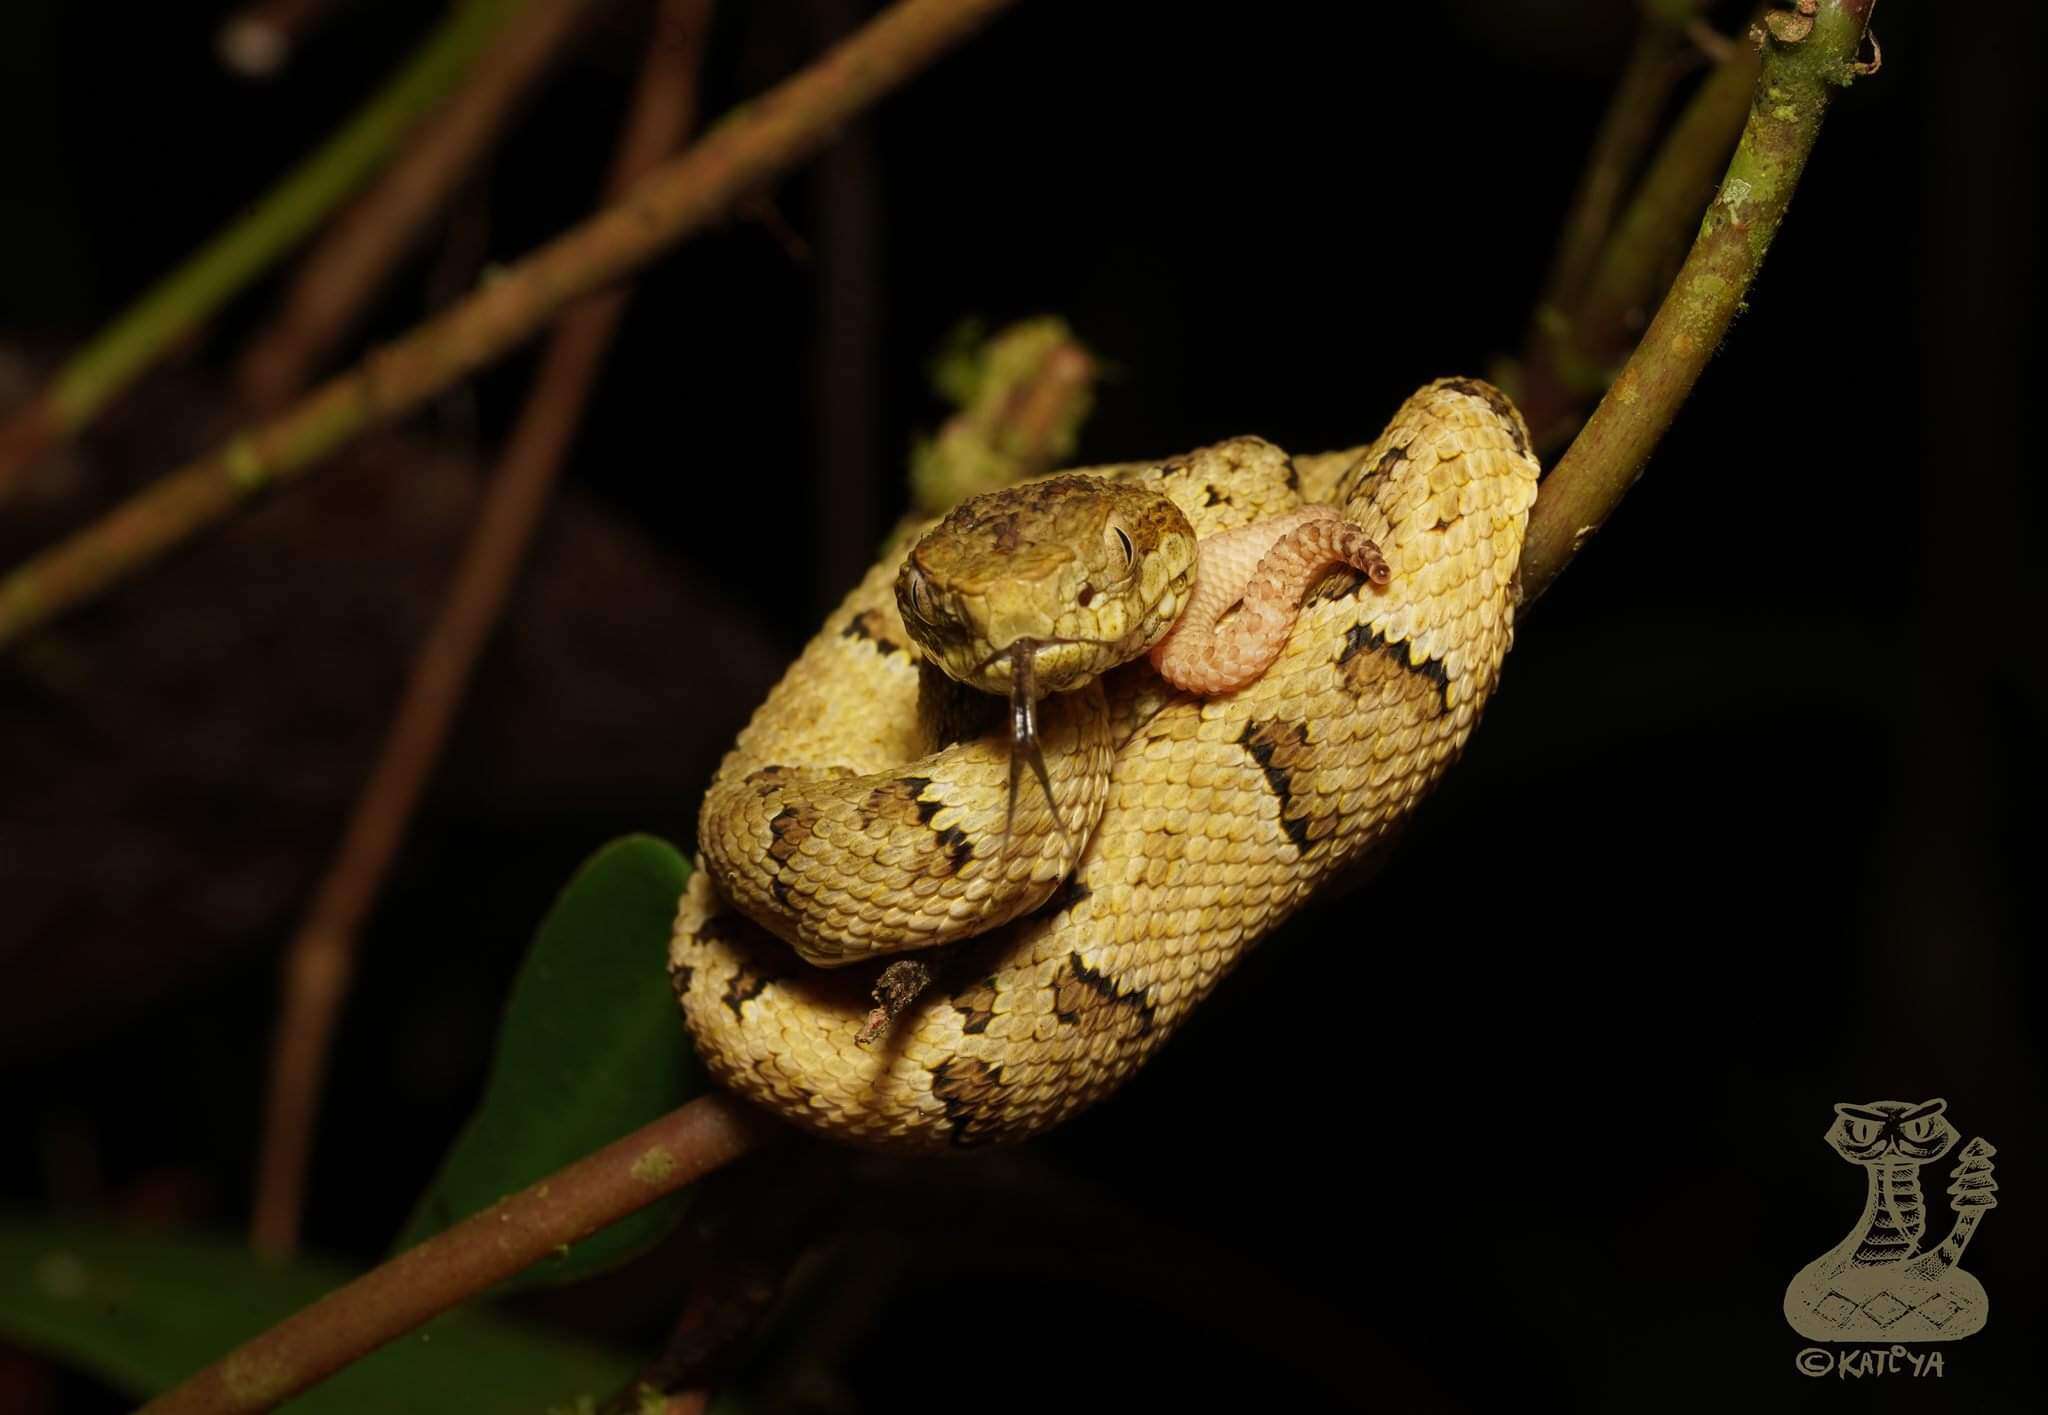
[(1891, 1132), (1040, 588)]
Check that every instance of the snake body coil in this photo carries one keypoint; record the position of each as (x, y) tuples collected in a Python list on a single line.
[(1217, 816)]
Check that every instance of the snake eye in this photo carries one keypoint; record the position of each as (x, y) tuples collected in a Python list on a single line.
[(919, 595), (1122, 540)]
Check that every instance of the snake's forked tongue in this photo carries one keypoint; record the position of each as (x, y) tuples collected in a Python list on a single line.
[(1024, 737)]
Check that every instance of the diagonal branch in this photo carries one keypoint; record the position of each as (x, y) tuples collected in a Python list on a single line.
[(473, 1256), (1809, 51), (755, 143), (321, 960)]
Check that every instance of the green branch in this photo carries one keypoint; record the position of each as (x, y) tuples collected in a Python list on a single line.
[(1809, 51), (119, 354)]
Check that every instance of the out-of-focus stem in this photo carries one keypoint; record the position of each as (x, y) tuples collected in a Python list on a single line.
[(1809, 51)]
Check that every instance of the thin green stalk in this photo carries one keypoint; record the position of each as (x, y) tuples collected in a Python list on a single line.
[(114, 358), (1809, 51)]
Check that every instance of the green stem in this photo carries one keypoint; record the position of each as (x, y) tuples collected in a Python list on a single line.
[(1809, 52), (182, 300)]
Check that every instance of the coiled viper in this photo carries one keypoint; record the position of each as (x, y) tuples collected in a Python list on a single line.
[(1218, 815)]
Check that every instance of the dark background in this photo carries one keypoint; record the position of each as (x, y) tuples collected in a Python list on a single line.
[(1747, 831)]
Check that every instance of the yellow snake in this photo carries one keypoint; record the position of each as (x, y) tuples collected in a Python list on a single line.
[(1213, 818)]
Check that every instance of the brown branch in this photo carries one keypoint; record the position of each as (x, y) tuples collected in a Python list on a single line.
[(345, 268), (473, 1256), (321, 959), (1808, 52), (758, 141)]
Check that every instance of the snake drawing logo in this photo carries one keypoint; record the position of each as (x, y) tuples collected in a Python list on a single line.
[(1878, 1283)]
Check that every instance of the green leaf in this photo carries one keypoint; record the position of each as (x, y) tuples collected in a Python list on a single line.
[(592, 1047), (144, 1311)]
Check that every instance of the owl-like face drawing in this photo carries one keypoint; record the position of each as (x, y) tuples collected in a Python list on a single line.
[(1892, 1132)]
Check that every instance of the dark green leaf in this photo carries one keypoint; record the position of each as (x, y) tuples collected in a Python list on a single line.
[(592, 1047), (145, 1311)]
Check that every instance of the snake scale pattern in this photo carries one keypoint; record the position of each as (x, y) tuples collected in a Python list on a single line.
[(1218, 816)]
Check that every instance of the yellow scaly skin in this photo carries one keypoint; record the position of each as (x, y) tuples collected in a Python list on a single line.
[(1220, 816)]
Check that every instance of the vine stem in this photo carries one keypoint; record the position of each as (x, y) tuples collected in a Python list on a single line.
[(476, 1254), (320, 963), (1809, 51), (119, 354), (349, 261), (756, 142)]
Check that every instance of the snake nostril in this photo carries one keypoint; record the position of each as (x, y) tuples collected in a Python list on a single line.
[(1086, 597)]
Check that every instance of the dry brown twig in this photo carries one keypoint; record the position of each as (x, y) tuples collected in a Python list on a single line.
[(349, 262), (321, 960)]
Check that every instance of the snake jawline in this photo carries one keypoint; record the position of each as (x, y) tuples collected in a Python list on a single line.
[(1221, 816)]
